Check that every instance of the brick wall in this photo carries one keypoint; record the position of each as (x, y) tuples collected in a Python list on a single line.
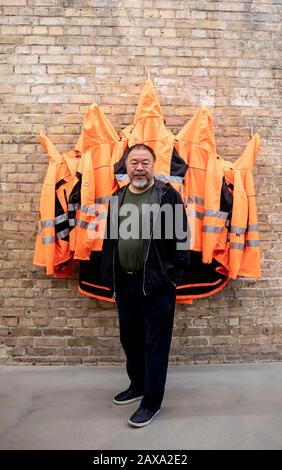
[(59, 56)]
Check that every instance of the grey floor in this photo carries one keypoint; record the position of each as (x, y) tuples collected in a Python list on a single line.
[(228, 406)]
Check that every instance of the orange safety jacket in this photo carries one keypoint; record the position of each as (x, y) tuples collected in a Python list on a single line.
[(76, 197), (224, 203), (91, 195), (148, 127), (207, 202), (239, 252), (52, 248)]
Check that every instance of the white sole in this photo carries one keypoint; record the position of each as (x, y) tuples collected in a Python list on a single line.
[(126, 401), (140, 425)]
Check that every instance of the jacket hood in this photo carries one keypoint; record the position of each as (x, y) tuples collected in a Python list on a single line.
[(148, 128), (97, 129), (199, 130), (148, 105)]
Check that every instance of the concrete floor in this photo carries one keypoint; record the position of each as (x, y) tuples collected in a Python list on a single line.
[(228, 406)]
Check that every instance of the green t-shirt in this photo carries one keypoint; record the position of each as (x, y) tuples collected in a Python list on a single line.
[(130, 243)]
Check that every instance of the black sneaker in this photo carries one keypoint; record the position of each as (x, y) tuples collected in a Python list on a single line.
[(142, 417), (123, 398)]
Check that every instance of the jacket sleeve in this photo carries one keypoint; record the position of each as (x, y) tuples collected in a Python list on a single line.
[(178, 247)]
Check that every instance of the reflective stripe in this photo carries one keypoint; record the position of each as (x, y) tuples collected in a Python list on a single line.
[(92, 210), (238, 229), (63, 233), (73, 207), (47, 223), (211, 229), (71, 222), (81, 223), (171, 178), (100, 200), (240, 246), (103, 215), (85, 209), (91, 226), (121, 176), (252, 228), (46, 240), (61, 218), (84, 224), (193, 213), (195, 199), (252, 243), (237, 246), (213, 213), (39, 231)]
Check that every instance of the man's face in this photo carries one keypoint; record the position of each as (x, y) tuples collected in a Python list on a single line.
[(140, 167)]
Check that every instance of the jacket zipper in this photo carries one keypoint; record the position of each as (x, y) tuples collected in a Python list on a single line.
[(114, 293), (146, 257)]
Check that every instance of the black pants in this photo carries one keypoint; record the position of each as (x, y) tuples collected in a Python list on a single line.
[(146, 324)]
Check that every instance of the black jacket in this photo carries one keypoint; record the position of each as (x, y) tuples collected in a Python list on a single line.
[(162, 260)]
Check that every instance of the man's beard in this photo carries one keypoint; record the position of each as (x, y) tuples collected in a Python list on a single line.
[(140, 184)]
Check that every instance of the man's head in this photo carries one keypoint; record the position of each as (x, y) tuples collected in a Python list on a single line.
[(139, 162)]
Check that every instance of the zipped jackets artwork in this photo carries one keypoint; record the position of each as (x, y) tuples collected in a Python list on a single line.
[(218, 196)]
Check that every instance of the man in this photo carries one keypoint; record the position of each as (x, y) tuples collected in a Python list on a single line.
[(144, 271)]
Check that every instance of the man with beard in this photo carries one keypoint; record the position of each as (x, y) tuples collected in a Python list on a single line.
[(145, 270)]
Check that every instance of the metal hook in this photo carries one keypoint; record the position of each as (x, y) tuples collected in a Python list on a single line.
[(146, 69), (251, 129)]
